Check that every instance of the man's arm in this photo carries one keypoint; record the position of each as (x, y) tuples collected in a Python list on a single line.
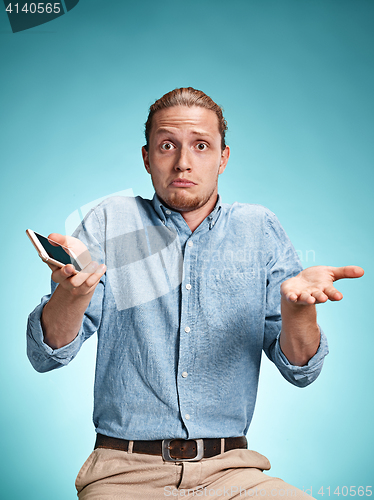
[(62, 316), (300, 335)]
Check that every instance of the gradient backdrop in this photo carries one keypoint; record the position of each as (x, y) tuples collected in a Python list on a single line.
[(296, 80)]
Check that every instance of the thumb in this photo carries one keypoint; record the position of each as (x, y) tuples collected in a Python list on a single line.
[(347, 272), (58, 238)]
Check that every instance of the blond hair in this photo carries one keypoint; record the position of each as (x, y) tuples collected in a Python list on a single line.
[(186, 96)]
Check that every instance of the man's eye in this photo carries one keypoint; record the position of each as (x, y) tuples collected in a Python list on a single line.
[(167, 146), (201, 146)]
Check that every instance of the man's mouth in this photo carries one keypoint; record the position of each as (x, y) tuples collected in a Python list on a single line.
[(182, 183)]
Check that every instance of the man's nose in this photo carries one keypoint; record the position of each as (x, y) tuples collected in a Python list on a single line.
[(183, 161)]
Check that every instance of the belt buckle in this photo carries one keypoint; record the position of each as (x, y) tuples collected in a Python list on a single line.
[(166, 451)]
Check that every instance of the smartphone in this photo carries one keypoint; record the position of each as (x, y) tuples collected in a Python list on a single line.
[(52, 252)]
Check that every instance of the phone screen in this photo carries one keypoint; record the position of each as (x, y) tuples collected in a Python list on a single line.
[(57, 252)]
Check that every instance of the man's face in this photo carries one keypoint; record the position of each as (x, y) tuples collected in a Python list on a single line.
[(185, 157)]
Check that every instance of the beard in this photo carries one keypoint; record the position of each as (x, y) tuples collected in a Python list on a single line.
[(182, 201)]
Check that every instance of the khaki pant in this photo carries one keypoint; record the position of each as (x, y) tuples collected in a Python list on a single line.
[(119, 475)]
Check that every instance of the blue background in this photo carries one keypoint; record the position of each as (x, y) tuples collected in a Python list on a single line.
[(296, 80)]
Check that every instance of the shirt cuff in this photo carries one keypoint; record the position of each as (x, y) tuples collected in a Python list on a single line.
[(301, 375), (40, 351)]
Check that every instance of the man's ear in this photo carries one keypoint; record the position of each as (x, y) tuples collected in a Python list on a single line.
[(146, 159), (225, 155)]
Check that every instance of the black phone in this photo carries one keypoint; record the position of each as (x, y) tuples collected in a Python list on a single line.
[(52, 252)]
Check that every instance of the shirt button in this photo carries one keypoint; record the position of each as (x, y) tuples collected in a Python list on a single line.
[(190, 243), (184, 374), (188, 286), (213, 223), (187, 417), (168, 212), (187, 329), (163, 222)]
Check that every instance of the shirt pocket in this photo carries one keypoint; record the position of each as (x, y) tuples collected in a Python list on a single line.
[(229, 281), (226, 297)]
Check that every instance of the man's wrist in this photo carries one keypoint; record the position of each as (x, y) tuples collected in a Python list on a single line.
[(62, 316), (300, 336)]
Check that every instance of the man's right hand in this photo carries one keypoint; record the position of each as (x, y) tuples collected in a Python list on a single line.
[(62, 316), (86, 280)]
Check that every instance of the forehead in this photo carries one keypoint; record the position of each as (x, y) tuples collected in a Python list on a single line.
[(185, 119)]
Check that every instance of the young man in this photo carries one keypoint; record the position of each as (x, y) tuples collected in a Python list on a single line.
[(184, 292)]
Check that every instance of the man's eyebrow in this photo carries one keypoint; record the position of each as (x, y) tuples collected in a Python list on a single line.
[(194, 132), (164, 131), (201, 133)]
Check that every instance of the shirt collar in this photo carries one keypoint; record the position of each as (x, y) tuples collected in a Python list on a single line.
[(164, 212)]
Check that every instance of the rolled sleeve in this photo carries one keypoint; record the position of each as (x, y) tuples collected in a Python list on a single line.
[(301, 376), (42, 357), (283, 264)]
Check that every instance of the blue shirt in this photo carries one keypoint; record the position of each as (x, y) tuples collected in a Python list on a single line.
[(182, 318)]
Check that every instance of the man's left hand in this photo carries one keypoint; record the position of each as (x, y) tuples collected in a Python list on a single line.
[(314, 285)]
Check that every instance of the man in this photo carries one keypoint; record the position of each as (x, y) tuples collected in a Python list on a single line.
[(185, 294)]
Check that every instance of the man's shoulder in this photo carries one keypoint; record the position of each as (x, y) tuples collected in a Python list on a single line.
[(120, 202), (250, 218), (118, 214), (253, 210)]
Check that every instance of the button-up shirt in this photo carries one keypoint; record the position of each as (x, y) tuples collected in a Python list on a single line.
[(182, 318)]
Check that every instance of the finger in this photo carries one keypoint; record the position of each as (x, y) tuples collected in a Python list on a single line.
[(90, 282), (305, 298), (347, 272), (291, 295), (80, 278), (319, 296), (61, 274), (95, 277), (332, 293)]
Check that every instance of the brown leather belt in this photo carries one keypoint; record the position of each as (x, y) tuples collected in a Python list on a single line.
[(175, 450)]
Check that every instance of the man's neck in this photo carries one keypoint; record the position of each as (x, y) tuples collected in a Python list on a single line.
[(195, 217)]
